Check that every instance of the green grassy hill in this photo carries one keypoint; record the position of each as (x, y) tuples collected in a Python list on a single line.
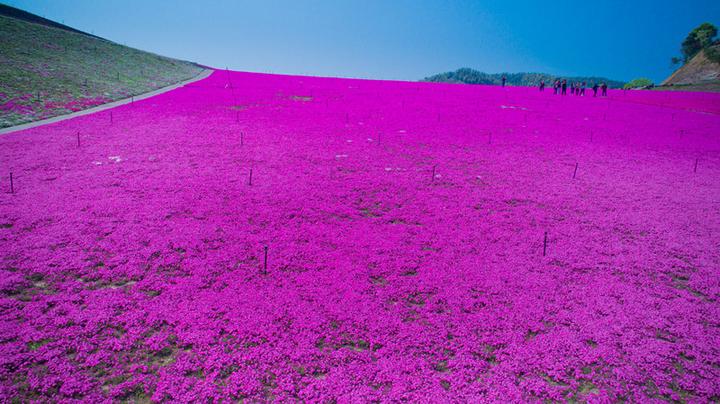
[(47, 71)]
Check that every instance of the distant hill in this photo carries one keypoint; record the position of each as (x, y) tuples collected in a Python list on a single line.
[(699, 73), (471, 76), (48, 69)]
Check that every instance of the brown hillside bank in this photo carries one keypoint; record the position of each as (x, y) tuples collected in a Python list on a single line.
[(698, 71)]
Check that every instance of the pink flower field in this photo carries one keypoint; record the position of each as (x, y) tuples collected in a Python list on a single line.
[(425, 242)]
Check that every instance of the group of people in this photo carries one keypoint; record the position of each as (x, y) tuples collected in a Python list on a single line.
[(576, 88)]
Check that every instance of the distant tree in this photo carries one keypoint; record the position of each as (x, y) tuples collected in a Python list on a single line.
[(698, 39), (713, 53), (638, 83)]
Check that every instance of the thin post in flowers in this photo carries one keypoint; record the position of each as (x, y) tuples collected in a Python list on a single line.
[(575, 172), (265, 260), (242, 140), (78, 139), (433, 173), (111, 118), (250, 180), (696, 164), (12, 187), (545, 244)]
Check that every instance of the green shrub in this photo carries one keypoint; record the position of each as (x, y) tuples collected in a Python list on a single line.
[(638, 83)]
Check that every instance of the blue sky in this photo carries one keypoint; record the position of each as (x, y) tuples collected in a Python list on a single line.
[(398, 39)]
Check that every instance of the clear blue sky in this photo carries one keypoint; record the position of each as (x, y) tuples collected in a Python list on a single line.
[(398, 39)]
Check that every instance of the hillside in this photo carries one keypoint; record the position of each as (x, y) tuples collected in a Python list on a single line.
[(23, 15), (315, 239), (47, 71), (700, 73), (471, 76)]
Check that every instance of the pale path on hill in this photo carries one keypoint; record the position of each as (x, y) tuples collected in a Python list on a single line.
[(203, 74)]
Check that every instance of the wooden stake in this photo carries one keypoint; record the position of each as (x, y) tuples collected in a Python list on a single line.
[(696, 163), (12, 187), (111, 118), (545, 244), (241, 139), (250, 182), (265, 260), (575, 172), (433, 175), (78, 138)]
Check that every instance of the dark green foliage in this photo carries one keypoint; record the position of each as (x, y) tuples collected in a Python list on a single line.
[(471, 76), (698, 39), (713, 53), (638, 83)]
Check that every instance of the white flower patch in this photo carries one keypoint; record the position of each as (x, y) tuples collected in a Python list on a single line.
[(341, 156), (115, 159)]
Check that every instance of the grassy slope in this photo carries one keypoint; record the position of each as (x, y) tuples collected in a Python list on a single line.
[(703, 87), (45, 71)]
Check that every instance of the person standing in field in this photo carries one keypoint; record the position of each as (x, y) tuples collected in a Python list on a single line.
[(604, 89), (542, 85), (582, 88), (564, 87), (556, 86), (572, 88), (595, 88), (504, 79)]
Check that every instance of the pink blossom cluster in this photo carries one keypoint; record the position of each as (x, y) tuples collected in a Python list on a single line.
[(425, 242)]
